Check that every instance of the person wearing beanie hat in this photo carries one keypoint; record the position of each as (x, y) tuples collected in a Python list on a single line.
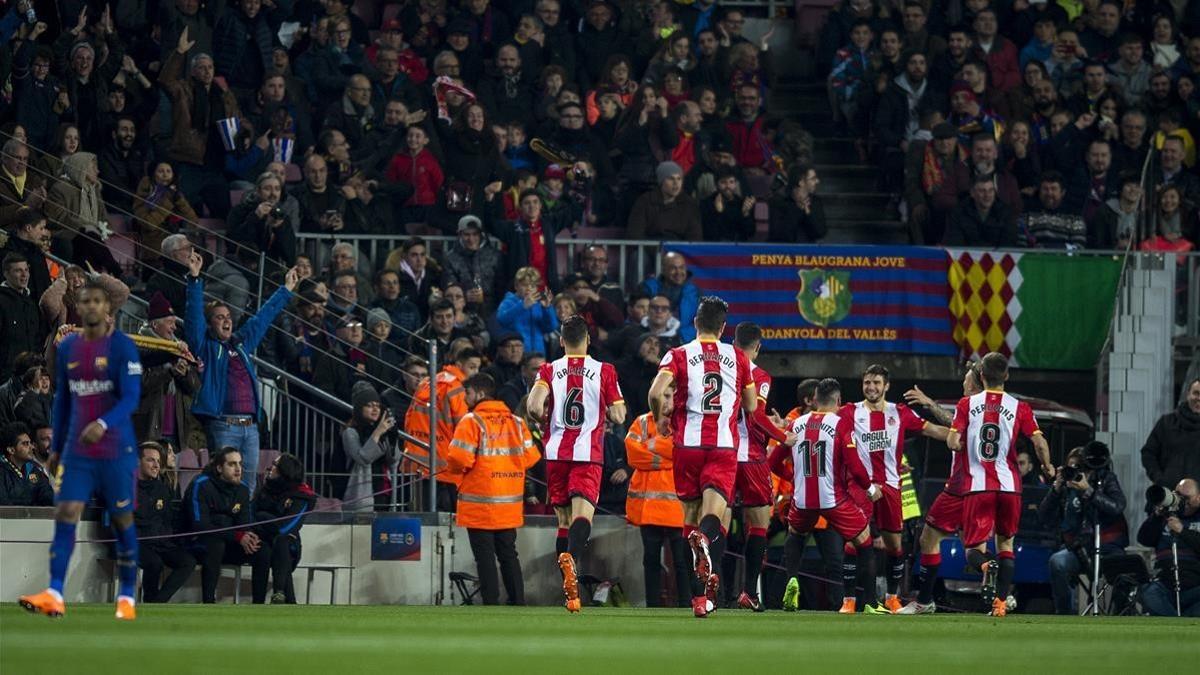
[(969, 115), (666, 212), (383, 355), (370, 452)]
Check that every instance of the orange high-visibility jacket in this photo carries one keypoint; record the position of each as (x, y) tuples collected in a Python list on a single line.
[(652, 499), (490, 452), (451, 408)]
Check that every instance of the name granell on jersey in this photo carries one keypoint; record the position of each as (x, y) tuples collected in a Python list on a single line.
[(588, 373), (876, 441), (994, 408), (90, 387), (727, 361), (812, 424)]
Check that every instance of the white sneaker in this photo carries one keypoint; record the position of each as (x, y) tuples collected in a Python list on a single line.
[(915, 607)]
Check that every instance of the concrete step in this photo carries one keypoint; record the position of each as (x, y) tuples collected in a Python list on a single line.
[(877, 231), (857, 206), (836, 178), (833, 150)]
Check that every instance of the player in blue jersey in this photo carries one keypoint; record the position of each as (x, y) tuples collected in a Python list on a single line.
[(97, 385)]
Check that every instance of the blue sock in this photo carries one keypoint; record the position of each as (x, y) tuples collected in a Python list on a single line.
[(127, 553), (60, 554)]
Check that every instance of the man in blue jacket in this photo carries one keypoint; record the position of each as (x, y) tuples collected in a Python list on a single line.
[(675, 283), (227, 403)]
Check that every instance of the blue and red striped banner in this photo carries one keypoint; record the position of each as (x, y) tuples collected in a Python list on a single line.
[(831, 298)]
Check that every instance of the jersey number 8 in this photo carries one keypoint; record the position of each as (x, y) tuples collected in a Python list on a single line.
[(573, 413), (989, 442), (710, 401)]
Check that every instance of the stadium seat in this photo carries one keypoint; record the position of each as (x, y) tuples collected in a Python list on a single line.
[(236, 196), (291, 173), (760, 186), (762, 214), (124, 250)]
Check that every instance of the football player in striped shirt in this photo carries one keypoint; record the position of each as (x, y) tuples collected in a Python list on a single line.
[(879, 431), (712, 380), (576, 393), (823, 466)]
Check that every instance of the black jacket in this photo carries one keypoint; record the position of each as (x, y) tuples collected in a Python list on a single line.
[(25, 485), (242, 48), (728, 224), (1074, 513), (156, 512), (891, 119), (501, 107), (789, 223), (39, 273), (275, 500), (20, 327), (965, 227), (1154, 533), (121, 172), (212, 503), (1172, 451), (245, 227)]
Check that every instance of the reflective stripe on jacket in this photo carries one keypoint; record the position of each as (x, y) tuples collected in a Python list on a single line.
[(652, 499), (451, 408), (489, 453)]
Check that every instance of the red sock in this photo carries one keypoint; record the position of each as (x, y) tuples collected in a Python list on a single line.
[(757, 532), (1006, 555), (928, 559)]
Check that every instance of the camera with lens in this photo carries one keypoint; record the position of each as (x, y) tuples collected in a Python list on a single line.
[(277, 213), (1159, 498), (1072, 474)]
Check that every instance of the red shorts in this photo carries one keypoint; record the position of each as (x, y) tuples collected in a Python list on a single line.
[(945, 515), (753, 484), (984, 512), (889, 514), (846, 519), (697, 470), (566, 479)]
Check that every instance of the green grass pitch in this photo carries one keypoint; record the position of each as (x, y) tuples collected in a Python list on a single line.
[(176, 639)]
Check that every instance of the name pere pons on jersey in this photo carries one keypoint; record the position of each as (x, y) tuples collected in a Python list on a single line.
[(994, 408), (725, 360)]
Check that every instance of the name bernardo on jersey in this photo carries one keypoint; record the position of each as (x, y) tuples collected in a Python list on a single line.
[(726, 360)]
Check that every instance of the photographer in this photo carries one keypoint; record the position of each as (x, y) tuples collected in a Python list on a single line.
[(1085, 493), (370, 450), (260, 223), (1174, 519)]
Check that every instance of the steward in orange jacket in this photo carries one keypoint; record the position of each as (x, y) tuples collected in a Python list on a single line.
[(490, 452), (654, 507), (451, 408)]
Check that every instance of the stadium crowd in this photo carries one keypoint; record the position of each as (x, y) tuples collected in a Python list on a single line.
[(174, 150)]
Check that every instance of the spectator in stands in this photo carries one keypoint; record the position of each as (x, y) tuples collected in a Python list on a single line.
[(799, 214), (1170, 237), (636, 370), (281, 505), (122, 165), (473, 166), (39, 94), (1102, 38), (1174, 536), (216, 500), (750, 145), (917, 36), (530, 240), (275, 108), (526, 310), (331, 65), (667, 212), (418, 274), (155, 518), (1169, 454), (597, 40), (509, 357), (727, 215), (12, 387), (227, 403), (997, 50), (467, 317), (21, 329), (169, 384), (336, 370), (593, 266), (1174, 173), (418, 166), (242, 40), (944, 67), (1074, 509), (346, 257), (904, 103), (983, 220), (353, 113), (322, 206), (643, 133), (66, 143), (440, 327), (197, 104), (30, 237), (343, 298), (1113, 224), (1130, 153), (474, 262), (928, 165), (402, 312), (1164, 42), (370, 450), (159, 211), (515, 389), (507, 94), (23, 482), (33, 404), (675, 283), (259, 223), (18, 186), (58, 302), (171, 277), (79, 216), (1131, 73), (849, 78), (601, 315), (620, 341), (1027, 465), (984, 154), (1049, 225)]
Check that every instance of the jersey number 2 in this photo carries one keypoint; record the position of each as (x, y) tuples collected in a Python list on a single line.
[(710, 401), (989, 442), (808, 451), (573, 408)]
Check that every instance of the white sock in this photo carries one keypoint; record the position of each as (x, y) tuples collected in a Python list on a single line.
[(127, 598), (55, 594)]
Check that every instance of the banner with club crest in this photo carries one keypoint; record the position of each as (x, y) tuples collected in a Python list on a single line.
[(831, 298)]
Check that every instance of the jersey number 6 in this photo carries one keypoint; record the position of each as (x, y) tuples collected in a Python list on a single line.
[(573, 409)]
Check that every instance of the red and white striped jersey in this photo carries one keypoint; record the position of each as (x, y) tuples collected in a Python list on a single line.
[(752, 442), (879, 437), (581, 390), (709, 379), (823, 460), (989, 424)]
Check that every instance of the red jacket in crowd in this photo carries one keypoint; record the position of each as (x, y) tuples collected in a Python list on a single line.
[(422, 171)]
